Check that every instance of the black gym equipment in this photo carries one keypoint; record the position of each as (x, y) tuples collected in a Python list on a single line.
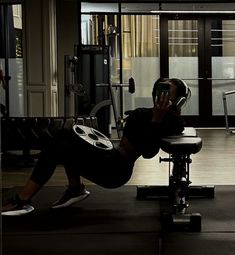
[(88, 66), (112, 102), (23, 137), (88, 86), (179, 189)]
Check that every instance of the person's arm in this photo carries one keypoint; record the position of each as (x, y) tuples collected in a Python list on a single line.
[(151, 140), (152, 134), (144, 135), (155, 131)]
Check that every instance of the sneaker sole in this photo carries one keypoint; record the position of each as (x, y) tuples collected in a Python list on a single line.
[(27, 209), (72, 201)]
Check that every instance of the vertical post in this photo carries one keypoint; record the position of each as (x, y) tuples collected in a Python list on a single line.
[(66, 85), (7, 56), (112, 96), (226, 111)]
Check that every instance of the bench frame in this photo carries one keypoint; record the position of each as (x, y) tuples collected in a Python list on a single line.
[(179, 190)]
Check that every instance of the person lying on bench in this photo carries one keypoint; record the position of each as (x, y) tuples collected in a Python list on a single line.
[(142, 133)]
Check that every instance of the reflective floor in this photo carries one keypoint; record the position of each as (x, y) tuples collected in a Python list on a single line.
[(213, 165)]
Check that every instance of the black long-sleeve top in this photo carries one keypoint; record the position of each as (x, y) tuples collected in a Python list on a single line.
[(145, 134)]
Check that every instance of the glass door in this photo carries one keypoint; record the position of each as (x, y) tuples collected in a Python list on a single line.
[(11, 61), (140, 57), (196, 47), (134, 43), (222, 48), (201, 51), (183, 50)]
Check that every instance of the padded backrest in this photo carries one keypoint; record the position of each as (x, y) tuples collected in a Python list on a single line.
[(181, 145), (186, 143)]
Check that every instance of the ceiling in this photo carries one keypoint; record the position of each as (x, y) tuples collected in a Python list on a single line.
[(156, 7)]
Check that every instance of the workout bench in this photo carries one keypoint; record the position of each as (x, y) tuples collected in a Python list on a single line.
[(179, 190)]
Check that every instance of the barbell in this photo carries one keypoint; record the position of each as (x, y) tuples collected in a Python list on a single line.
[(130, 85)]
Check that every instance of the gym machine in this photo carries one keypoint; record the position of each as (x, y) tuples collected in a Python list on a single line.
[(179, 189), (111, 102), (225, 94), (88, 86), (88, 66)]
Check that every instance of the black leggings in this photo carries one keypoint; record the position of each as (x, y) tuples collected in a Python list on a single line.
[(107, 168)]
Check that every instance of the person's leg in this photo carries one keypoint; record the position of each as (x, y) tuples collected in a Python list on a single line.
[(111, 170), (74, 178), (68, 151), (44, 169), (75, 191), (20, 204), (58, 151), (29, 190)]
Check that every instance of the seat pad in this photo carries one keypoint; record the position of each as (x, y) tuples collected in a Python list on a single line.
[(181, 145)]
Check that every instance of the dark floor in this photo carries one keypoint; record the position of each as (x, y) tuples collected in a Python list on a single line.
[(115, 222)]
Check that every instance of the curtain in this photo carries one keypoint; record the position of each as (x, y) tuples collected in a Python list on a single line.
[(140, 36)]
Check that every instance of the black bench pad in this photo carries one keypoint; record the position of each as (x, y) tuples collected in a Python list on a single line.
[(181, 145), (186, 143)]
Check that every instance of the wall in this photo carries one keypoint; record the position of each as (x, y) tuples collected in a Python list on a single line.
[(40, 57), (67, 37)]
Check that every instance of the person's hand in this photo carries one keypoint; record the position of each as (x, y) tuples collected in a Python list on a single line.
[(161, 106)]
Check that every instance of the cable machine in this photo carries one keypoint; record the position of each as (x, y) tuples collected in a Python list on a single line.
[(88, 87)]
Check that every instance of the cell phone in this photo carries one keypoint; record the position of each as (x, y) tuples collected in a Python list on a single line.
[(162, 88)]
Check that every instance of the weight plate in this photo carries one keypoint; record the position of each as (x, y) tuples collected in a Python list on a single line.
[(93, 137)]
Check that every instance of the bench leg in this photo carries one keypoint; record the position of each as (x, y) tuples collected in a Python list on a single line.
[(179, 191)]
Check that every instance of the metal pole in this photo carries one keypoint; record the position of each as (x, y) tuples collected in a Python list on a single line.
[(113, 99), (7, 55), (226, 110), (67, 82)]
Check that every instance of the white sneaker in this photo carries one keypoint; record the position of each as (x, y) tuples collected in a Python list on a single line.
[(70, 197), (16, 207)]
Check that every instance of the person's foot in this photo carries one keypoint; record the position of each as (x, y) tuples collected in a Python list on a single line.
[(16, 207), (71, 196)]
